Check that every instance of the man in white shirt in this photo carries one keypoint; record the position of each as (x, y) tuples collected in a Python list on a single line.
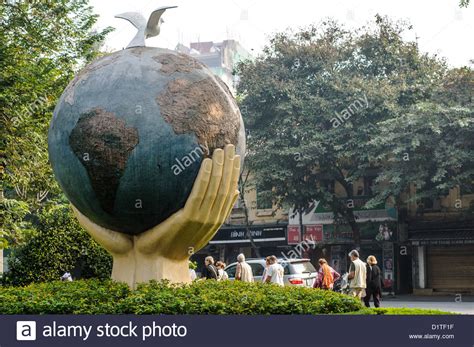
[(274, 273), (357, 275)]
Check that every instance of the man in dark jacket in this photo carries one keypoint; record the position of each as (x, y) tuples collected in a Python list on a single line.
[(210, 270), (374, 282)]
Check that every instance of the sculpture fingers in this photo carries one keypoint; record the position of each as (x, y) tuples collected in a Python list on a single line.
[(211, 232), (206, 220), (112, 241), (223, 191), (219, 216), (215, 216), (196, 198), (233, 192), (215, 181)]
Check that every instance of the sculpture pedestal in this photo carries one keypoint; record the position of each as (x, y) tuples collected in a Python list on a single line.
[(134, 268)]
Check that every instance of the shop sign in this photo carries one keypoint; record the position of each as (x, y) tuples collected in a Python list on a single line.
[(294, 234), (259, 233), (313, 233)]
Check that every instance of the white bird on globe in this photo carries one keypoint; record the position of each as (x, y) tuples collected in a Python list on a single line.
[(145, 29)]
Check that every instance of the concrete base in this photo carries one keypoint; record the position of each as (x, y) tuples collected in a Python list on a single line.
[(134, 268)]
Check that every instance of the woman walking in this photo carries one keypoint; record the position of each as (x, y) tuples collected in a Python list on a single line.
[(374, 282), (222, 274), (326, 276)]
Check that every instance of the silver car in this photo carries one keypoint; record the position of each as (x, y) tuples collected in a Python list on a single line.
[(298, 272)]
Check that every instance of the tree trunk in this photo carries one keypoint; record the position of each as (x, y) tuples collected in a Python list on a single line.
[(246, 212), (355, 228), (247, 230), (300, 211), (349, 212)]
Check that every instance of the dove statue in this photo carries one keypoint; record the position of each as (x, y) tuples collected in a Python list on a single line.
[(145, 29)]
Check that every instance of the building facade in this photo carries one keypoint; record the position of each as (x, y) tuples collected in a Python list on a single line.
[(220, 57), (333, 240), (440, 233)]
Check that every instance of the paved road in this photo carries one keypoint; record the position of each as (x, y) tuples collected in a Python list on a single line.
[(463, 305)]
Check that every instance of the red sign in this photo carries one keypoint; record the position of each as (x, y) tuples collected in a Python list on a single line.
[(294, 234), (313, 233)]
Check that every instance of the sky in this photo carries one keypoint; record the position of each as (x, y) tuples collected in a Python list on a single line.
[(440, 26)]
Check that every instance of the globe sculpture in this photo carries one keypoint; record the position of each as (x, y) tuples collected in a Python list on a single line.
[(129, 135), (130, 131)]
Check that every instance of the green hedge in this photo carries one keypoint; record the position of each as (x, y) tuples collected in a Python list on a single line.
[(202, 297)]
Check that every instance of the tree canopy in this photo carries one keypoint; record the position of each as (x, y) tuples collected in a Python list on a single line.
[(325, 103), (42, 45)]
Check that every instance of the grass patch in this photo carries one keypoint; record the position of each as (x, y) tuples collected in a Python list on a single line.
[(399, 311)]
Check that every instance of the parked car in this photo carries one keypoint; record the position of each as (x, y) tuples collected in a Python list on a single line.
[(298, 272)]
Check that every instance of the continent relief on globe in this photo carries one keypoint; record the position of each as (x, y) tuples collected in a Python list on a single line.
[(198, 107), (108, 140)]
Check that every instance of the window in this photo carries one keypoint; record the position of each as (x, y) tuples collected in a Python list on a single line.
[(257, 269), (328, 185), (369, 184), (264, 200), (286, 267), (231, 271), (467, 188), (303, 267)]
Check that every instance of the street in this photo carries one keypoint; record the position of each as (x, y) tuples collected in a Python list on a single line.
[(463, 305)]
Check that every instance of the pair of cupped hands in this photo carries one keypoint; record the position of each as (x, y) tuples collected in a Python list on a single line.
[(162, 252)]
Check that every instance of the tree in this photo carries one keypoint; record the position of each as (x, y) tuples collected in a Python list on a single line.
[(59, 245), (245, 183), (42, 45), (317, 102), (428, 145), (458, 87)]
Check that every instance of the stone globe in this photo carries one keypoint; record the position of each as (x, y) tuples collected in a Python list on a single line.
[(130, 131)]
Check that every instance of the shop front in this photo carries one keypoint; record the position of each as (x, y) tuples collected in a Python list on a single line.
[(254, 241), (443, 259), (333, 241)]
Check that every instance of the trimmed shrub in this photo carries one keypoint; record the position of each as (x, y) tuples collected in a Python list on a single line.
[(59, 245), (201, 297)]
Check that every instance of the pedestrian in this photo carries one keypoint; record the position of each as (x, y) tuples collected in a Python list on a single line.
[(267, 265), (244, 271), (210, 271), (192, 270), (326, 276), (374, 282), (275, 272), (220, 265), (357, 275)]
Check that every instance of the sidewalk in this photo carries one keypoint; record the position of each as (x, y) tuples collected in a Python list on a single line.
[(459, 304)]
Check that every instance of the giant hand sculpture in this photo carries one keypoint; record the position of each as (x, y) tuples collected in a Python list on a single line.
[(162, 252)]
